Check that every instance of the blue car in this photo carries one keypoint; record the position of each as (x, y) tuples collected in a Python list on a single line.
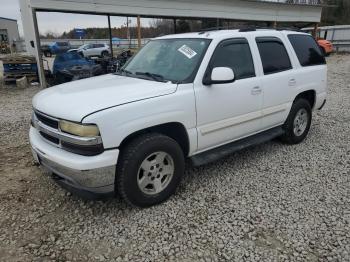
[(55, 48), (72, 66)]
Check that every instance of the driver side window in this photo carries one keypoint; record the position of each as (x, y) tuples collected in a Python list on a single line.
[(235, 54)]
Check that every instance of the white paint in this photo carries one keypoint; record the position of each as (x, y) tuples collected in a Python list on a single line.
[(70, 160), (212, 115), (222, 74)]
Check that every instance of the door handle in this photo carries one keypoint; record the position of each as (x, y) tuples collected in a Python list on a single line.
[(256, 90), (292, 82)]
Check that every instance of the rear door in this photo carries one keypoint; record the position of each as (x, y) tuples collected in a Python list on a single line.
[(311, 72), (278, 80)]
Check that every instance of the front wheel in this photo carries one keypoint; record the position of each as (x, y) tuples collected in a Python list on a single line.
[(149, 170), (47, 54), (298, 123)]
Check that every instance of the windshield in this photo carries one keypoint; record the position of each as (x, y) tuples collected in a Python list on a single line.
[(175, 60), (83, 46)]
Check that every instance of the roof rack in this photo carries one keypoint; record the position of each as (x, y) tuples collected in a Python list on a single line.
[(249, 29)]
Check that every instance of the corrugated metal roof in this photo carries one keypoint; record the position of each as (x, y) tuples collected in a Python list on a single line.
[(4, 18)]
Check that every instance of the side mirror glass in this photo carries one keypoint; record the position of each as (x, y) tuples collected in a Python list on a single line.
[(220, 75)]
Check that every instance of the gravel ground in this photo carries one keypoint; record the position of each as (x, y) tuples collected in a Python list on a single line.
[(268, 203)]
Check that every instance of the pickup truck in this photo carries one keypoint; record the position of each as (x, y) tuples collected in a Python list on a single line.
[(197, 96)]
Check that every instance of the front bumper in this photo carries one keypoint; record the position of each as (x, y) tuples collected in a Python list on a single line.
[(88, 176)]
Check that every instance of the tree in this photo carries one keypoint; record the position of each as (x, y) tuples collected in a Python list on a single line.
[(337, 14)]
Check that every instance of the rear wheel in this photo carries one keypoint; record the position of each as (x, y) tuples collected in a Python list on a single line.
[(104, 54), (149, 170), (298, 123)]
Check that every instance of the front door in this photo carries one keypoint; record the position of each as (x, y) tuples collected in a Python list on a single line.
[(227, 112)]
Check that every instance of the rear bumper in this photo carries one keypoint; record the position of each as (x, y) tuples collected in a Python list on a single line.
[(87, 176)]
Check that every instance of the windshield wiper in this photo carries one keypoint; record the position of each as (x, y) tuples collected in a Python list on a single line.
[(124, 71), (155, 77)]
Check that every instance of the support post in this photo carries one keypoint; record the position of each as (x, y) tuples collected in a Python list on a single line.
[(175, 29), (110, 35), (274, 24), (315, 31), (40, 63), (139, 31)]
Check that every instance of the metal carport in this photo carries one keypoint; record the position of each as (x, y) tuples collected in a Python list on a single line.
[(274, 11)]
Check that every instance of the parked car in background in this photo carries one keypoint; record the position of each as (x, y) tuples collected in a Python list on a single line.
[(326, 46), (89, 50), (72, 66), (55, 48), (199, 96)]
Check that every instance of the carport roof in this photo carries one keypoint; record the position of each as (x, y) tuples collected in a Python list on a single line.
[(10, 19), (224, 9)]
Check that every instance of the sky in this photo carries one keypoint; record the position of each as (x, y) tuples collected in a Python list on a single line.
[(59, 22)]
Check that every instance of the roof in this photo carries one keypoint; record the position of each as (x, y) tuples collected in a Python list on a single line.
[(9, 19), (213, 34), (265, 10)]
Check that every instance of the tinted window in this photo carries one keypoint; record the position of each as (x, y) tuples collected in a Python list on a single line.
[(307, 50), (273, 54), (236, 55)]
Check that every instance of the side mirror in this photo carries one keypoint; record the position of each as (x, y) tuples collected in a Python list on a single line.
[(220, 75)]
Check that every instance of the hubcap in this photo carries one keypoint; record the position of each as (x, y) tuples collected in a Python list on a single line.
[(300, 122), (155, 173)]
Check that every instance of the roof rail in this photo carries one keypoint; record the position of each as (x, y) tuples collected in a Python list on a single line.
[(249, 28)]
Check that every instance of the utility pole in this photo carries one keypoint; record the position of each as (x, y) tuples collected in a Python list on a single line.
[(128, 31), (139, 31)]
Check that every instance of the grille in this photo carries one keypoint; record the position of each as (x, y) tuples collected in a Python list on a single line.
[(46, 120), (50, 138)]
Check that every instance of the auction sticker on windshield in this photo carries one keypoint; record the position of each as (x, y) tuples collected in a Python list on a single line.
[(187, 51)]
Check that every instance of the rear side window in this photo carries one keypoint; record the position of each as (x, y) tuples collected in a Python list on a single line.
[(235, 54), (62, 43), (307, 50), (273, 55)]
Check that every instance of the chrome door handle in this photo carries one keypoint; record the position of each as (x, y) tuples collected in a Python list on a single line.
[(256, 90), (292, 82)]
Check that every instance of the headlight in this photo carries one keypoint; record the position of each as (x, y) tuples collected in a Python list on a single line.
[(78, 129)]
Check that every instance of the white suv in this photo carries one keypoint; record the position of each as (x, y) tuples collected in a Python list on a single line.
[(89, 50), (200, 96)]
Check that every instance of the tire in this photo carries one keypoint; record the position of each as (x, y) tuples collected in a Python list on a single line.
[(104, 54), (140, 179), (296, 131), (47, 54)]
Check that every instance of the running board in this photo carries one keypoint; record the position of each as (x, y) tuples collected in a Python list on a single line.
[(228, 149)]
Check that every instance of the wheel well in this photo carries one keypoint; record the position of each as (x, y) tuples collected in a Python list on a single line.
[(174, 130), (309, 95)]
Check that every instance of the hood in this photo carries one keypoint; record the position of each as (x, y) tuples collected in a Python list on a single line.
[(74, 100)]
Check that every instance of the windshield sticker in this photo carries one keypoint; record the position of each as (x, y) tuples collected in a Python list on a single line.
[(187, 51)]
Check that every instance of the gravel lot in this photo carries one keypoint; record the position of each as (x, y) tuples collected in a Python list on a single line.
[(268, 203)]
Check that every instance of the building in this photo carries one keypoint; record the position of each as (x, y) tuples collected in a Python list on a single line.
[(8, 30)]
